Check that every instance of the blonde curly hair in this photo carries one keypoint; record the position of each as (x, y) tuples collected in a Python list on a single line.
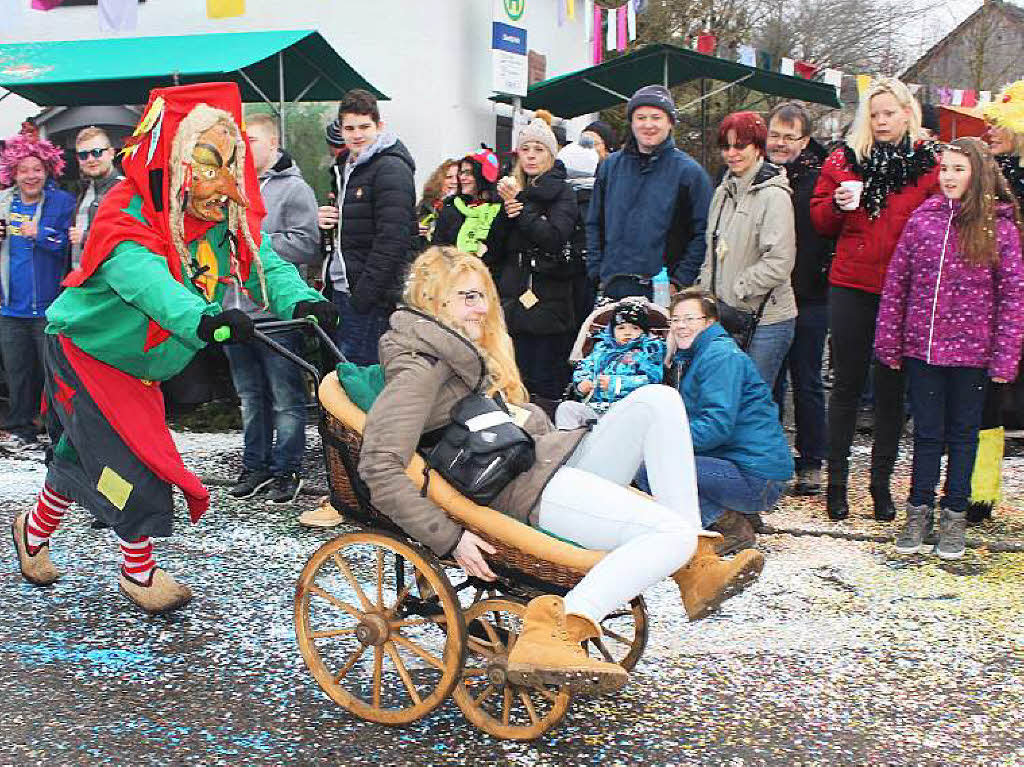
[(432, 277)]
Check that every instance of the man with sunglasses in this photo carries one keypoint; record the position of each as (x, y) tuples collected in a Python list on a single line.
[(96, 164)]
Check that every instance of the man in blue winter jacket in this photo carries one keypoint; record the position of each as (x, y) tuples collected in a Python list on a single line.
[(34, 219), (650, 204)]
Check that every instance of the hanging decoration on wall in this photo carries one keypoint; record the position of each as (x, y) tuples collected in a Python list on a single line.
[(224, 9)]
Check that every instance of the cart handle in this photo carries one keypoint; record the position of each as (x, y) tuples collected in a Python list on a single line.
[(304, 323)]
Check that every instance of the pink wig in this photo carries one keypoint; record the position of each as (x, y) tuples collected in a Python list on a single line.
[(20, 147)]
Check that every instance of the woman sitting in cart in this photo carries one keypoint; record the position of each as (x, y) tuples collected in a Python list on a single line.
[(447, 338)]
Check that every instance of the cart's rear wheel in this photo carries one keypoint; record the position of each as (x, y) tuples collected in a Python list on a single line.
[(624, 635), (485, 695), (379, 626)]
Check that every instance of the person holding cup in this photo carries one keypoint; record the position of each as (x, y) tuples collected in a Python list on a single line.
[(868, 188)]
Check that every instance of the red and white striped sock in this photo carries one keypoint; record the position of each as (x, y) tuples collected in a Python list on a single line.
[(44, 518), (138, 558)]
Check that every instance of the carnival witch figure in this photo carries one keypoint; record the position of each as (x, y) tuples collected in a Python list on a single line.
[(171, 246)]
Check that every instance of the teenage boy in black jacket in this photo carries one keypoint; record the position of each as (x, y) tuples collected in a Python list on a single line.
[(373, 224)]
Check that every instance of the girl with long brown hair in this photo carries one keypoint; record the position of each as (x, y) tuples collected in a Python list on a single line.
[(952, 316)]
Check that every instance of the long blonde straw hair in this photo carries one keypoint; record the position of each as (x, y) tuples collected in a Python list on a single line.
[(429, 287), (860, 138)]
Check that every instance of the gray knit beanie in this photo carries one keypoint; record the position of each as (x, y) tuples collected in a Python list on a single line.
[(541, 132), (652, 96)]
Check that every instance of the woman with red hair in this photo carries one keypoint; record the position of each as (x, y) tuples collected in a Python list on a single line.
[(751, 241)]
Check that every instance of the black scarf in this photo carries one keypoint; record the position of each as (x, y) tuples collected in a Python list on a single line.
[(1009, 164), (806, 163), (889, 168)]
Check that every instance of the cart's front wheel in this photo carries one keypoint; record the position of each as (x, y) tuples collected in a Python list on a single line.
[(485, 695), (623, 635), (379, 626)]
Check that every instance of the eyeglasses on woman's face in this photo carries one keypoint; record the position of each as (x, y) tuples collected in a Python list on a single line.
[(690, 321), (472, 298)]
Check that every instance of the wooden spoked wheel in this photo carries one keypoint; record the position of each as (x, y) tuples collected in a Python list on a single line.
[(379, 627), (485, 696), (624, 635)]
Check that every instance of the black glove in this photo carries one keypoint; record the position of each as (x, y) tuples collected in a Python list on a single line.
[(324, 312), (238, 324)]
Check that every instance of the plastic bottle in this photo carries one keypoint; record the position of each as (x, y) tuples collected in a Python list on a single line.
[(660, 284)]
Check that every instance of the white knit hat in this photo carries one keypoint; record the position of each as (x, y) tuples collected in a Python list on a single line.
[(579, 161), (541, 132)]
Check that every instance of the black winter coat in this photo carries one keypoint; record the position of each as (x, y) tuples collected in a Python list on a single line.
[(379, 231), (529, 252), (813, 252)]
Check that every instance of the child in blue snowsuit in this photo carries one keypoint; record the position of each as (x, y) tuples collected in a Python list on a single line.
[(625, 357)]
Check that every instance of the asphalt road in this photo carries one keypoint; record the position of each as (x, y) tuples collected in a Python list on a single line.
[(843, 654)]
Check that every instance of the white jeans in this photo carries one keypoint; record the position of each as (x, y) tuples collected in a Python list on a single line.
[(589, 501)]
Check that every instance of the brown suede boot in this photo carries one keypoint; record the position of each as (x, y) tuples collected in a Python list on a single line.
[(707, 580), (36, 567), (545, 655), (160, 595)]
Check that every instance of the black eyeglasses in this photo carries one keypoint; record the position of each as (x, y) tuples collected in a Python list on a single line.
[(96, 153), (739, 147)]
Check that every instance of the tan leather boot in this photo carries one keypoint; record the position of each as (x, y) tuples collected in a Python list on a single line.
[(707, 580), (161, 595), (36, 567), (580, 628), (545, 655)]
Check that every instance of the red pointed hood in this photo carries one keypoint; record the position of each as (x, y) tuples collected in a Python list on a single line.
[(148, 174)]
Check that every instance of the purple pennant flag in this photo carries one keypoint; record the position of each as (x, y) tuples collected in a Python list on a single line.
[(45, 5)]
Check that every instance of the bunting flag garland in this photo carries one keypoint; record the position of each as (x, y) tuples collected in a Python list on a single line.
[(765, 60), (706, 44), (45, 5), (224, 9), (598, 32), (985, 97), (958, 98), (786, 67), (10, 12), (611, 41), (970, 98), (588, 19), (570, 9), (561, 13), (747, 55), (804, 70), (863, 83), (118, 15), (620, 23), (631, 20), (945, 95)]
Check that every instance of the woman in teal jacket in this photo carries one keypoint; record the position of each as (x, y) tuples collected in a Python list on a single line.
[(743, 460)]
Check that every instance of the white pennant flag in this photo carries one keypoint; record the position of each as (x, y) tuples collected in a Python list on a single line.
[(786, 66), (631, 19), (118, 15), (984, 97), (10, 12), (588, 19), (833, 77), (747, 55), (611, 40), (958, 97)]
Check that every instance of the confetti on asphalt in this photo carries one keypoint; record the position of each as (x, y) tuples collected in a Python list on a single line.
[(844, 653)]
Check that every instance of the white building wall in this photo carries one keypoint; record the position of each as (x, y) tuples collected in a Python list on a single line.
[(432, 57)]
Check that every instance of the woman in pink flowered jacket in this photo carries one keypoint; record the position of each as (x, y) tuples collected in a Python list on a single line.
[(952, 314)]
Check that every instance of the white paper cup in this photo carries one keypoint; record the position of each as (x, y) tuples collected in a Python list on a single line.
[(856, 187)]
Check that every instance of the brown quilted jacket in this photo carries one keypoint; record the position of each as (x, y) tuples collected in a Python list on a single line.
[(428, 368)]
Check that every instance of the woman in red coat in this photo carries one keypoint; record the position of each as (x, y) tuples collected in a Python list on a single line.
[(867, 190)]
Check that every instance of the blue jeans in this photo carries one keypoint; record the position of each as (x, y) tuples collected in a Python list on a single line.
[(274, 396), (723, 486), (803, 363), (946, 403), (21, 342), (769, 346), (358, 334)]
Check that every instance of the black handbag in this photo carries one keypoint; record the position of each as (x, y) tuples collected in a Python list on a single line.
[(482, 449), (741, 324)]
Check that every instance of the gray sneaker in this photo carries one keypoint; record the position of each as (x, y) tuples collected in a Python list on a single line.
[(916, 529), (952, 527)]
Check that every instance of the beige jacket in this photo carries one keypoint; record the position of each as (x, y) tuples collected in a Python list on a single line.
[(756, 245), (428, 368)]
